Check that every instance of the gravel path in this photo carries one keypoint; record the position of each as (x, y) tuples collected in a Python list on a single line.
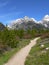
[(20, 57)]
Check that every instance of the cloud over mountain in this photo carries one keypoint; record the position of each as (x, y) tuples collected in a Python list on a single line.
[(45, 20), (26, 22)]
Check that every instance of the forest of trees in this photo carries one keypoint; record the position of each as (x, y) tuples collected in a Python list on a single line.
[(10, 38)]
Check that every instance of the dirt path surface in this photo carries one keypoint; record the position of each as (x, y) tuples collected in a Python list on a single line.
[(20, 57)]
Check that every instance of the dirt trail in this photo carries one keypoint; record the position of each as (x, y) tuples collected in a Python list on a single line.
[(20, 57)]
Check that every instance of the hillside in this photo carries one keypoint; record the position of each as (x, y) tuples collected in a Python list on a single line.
[(29, 23), (2, 27), (22, 29), (39, 54)]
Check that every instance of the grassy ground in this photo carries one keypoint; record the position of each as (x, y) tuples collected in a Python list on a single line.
[(6, 56), (38, 55)]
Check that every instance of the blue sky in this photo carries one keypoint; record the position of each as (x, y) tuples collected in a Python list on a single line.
[(13, 9)]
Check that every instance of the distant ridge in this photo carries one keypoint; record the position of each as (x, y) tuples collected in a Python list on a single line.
[(2, 27), (29, 23)]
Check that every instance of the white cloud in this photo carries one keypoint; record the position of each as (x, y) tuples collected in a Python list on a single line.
[(3, 4), (46, 18), (10, 14), (9, 17), (12, 8)]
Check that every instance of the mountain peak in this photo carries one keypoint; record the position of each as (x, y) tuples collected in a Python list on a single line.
[(46, 18), (45, 21), (26, 17), (26, 22)]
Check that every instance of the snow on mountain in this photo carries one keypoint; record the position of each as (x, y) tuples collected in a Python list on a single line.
[(27, 22), (26, 19), (20, 21), (45, 21), (46, 18)]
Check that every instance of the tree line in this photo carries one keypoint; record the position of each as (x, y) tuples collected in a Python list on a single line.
[(10, 38)]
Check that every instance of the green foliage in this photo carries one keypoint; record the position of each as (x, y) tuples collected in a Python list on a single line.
[(38, 55), (6, 56), (20, 33), (8, 38)]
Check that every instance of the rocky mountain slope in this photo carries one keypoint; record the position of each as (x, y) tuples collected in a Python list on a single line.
[(2, 27), (30, 23), (45, 21)]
